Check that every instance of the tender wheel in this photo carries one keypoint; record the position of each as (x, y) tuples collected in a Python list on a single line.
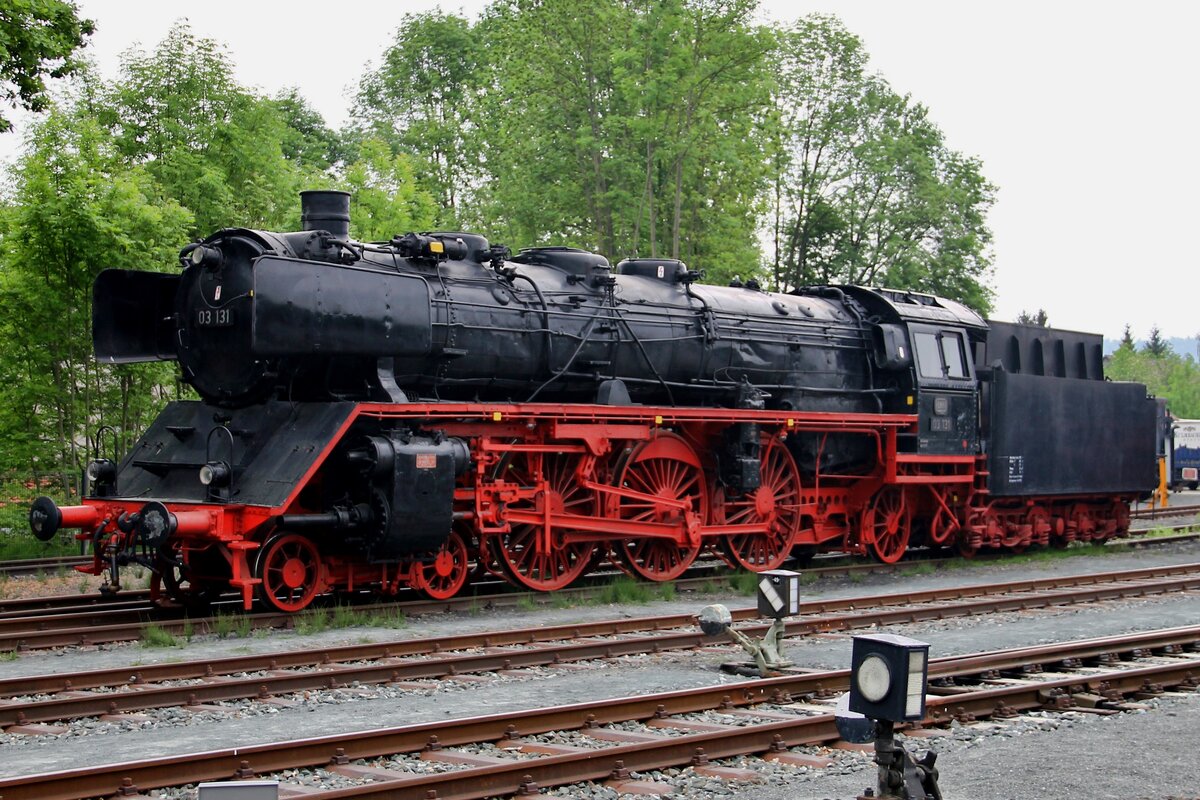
[(664, 467), (446, 573), (776, 504), (525, 556), (290, 568), (887, 524)]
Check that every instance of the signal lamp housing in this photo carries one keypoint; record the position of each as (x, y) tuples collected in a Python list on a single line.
[(887, 677)]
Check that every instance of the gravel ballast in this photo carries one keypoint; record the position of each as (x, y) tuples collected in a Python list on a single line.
[(1131, 755)]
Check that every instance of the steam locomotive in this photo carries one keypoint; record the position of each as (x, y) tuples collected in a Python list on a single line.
[(396, 414)]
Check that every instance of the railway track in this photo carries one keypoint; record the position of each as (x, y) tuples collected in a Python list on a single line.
[(64, 696), (766, 717), (74, 621), (40, 566), (1169, 511)]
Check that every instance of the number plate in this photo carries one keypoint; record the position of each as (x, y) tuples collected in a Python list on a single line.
[(214, 317)]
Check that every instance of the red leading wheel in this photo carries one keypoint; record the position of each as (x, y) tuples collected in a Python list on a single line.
[(443, 575), (290, 568), (887, 525), (664, 468), (525, 556), (775, 504)]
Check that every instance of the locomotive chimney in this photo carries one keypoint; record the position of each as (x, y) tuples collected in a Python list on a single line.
[(326, 210)]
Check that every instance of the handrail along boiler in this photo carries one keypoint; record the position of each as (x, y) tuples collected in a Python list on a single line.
[(390, 414)]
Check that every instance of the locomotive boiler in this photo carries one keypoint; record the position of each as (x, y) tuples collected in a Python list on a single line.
[(389, 414)]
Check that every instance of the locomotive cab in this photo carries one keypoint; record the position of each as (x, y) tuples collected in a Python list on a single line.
[(923, 348), (947, 408)]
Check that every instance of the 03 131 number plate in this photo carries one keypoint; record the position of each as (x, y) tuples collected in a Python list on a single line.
[(214, 317)]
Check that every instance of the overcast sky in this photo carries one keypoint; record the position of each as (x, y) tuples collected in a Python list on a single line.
[(1083, 114)]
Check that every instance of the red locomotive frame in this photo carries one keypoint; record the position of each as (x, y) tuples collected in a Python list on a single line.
[(554, 489)]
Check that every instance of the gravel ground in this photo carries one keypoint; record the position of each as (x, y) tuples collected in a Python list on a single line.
[(1036, 755)]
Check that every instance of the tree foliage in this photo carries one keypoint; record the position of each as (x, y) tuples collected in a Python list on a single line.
[(77, 211), (864, 188), (1166, 373), (215, 147), (1156, 345), (385, 196), (1039, 318), (420, 100), (38, 39)]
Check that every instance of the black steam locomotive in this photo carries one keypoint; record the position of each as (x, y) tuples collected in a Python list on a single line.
[(390, 414)]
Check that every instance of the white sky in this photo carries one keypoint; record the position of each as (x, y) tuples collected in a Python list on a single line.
[(1084, 115)]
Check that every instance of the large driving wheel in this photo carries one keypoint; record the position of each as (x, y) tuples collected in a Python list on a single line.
[(774, 504), (663, 468), (290, 569), (887, 525), (443, 575), (525, 555)]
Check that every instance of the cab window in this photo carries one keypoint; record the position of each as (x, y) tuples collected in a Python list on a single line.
[(952, 354), (929, 359), (941, 355)]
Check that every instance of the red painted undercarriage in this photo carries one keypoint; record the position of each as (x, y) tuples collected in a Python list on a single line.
[(555, 490)]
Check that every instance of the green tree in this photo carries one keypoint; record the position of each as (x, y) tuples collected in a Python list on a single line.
[(211, 145), (384, 195), (1127, 342), (1039, 318), (626, 126), (306, 140), (1156, 345), (1169, 375), (77, 209), (38, 39), (420, 100), (864, 188)]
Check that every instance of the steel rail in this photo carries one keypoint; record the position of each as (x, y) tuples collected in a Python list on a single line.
[(500, 779), (535, 652), (32, 636), (1169, 511), (34, 566)]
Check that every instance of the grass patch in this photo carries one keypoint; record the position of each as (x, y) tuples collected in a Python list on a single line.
[(744, 583), (19, 543), (561, 600), (922, 568), (624, 590), (313, 620), (8, 655), (666, 591), (154, 636), (317, 620), (526, 603), (226, 625), (388, 618)]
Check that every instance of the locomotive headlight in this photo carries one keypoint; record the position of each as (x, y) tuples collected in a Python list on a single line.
[(101, 471), (215, 474), (205, 256)]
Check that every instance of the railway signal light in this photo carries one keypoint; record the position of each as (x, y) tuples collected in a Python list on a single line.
[(887, 677), (779, 593), (887, 685)]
